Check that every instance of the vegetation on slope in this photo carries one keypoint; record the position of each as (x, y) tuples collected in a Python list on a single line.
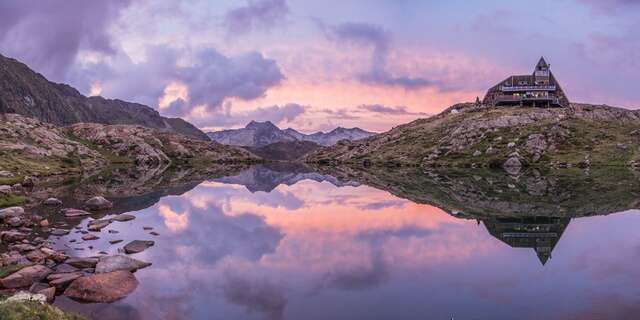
[(466, 135)]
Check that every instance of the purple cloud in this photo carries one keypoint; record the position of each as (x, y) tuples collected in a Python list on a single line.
[(48, 34), (257, 14), (612, 5), (208, 76), (369, 35)]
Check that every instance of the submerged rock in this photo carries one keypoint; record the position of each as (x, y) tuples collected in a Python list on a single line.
[(123, 217), (97, 225), (89, 237), (98, 203), (137, 246), (70, 212), (82, 263), (119, 262), (103, 287)]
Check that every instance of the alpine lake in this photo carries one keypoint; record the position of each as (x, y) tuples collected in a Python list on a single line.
[(287, 241)]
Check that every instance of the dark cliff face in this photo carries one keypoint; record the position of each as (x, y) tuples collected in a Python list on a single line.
[(28, 93)]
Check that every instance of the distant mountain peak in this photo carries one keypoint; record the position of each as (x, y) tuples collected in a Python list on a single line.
[(258, 134)]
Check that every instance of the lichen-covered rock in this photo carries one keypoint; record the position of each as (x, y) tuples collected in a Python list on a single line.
[(119, 262), (25, 277)]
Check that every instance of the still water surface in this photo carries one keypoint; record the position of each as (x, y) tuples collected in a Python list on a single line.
[(278, 245)]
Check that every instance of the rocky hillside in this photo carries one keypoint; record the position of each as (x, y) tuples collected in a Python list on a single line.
[(467, 135), (28, 93), (32, 147), (260, 134)]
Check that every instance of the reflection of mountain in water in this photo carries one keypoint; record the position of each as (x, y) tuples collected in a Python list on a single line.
[(269, 176), (540, 233), (529, 210)]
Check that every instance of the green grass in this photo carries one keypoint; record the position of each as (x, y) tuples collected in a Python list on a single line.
[(11, 200), (33, 311)]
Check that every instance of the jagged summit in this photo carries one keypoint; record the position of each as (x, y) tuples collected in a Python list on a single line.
[(260, 134)]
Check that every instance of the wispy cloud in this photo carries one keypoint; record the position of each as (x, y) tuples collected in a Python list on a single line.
[(379, 40), (256, 14), (398, 110)]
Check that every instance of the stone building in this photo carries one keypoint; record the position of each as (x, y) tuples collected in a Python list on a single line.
[(539, 89)]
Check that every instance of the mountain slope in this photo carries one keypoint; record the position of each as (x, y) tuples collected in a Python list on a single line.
[(255, 134), (260, 134), (285, 150), (468, 135), (28, 93), (332, 137)]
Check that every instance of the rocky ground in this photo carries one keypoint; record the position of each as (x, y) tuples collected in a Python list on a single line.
[(469, 135)]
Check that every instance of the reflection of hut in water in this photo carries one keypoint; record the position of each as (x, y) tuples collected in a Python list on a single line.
[(540, 233)]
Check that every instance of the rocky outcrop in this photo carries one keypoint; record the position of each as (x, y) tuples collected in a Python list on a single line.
[(28, 93)]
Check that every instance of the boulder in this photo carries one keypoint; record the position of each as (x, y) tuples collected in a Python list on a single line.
[(25, 277), (98, 203), (70, 212), (119, 262), (123, 217), (62, 280), (137, 246), (52, 202), (103, 287), (28, 182), (11, 212), (512, 165), (5, 189), (82, 263), (49, 293), (97, 225), (89, 237)]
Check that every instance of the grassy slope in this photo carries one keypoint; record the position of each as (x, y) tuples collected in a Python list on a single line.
[(576, 134), (33, 310)]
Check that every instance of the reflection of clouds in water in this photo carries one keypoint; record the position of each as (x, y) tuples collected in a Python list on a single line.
[(383, 205), (175, 222)]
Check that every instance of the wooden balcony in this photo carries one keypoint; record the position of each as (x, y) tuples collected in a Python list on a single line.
[(518, 99), (527, 88)]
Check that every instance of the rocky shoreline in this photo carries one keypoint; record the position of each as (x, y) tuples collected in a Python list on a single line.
[(31, 264)]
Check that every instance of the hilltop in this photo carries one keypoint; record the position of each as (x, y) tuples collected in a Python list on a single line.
[(477, 135)]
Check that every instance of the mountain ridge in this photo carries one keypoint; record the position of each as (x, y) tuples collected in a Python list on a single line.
[(259, 134), (26, 92)]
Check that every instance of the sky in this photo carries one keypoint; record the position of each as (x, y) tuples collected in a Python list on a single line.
[(316, 65)]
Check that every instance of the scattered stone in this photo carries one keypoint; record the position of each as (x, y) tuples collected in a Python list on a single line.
[(25, 277), (153, 233), (65, 268), (44, 223), (512, 165), (511, 144), (52, 202), (4, 189), (103, 287), (70, 212), (22, 247), (83, 263), (147, 228), (123, 217), (137, 246), (12, 236), (89, 237), (36, 256), (97, 225), (5, 174), (115, 241), (62, 280), (11, 212), (119, 262), (477, 153), (60, 232), (15, 222), (98, 203), (113, 231)]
